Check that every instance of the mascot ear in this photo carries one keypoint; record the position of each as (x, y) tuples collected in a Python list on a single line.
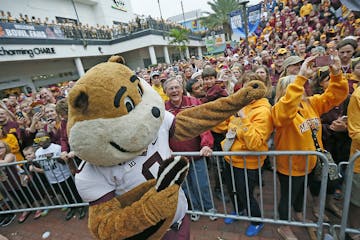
[(117, 59), (79, 99)]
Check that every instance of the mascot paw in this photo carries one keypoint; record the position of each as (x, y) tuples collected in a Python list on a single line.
[(253, 90), (168, 198), (172, 171)]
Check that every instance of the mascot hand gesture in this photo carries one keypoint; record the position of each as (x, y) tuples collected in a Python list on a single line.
[(118, 126)]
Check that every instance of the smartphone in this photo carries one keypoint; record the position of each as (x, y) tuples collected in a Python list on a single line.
[(322, 61), (36, 109), (19, 114)]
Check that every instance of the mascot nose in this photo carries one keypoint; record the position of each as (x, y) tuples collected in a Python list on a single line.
[(155, 112)]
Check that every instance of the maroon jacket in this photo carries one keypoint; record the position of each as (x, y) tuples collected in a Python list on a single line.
[(64, 142), (195, 144), (214, 93)]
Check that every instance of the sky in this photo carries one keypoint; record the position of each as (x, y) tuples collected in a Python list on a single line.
[(169, 8)]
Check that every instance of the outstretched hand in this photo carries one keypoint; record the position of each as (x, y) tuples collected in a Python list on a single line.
[(308, 69), (335, 68)]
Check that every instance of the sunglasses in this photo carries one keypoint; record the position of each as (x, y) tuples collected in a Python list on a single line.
[(41, 139)]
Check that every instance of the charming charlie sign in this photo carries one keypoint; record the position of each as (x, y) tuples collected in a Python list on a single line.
[(31, 52)]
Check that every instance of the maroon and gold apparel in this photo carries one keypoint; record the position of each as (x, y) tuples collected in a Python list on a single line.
[(252, 133), (99, 184), (194, 144), (354, 125), (347, 73), (293, 115)]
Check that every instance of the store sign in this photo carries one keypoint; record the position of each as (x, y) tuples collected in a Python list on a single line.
[(16, 30), (119, 5), (30, 52)]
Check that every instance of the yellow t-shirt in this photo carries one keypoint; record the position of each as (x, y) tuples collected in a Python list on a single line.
[(13, 143), (161, 92)]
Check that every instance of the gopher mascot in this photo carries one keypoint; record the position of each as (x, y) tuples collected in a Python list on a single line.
[(119, 127)]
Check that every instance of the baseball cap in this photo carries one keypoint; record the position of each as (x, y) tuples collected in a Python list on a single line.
[(154, 74), (291, 61), (196, 74), (282, 51)]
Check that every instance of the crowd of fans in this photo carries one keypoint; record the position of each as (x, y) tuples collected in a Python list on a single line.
[(72, 29), (283, 54), (301, 45)]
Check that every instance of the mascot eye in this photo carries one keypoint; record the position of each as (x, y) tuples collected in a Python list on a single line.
[(129, 103), (140, 90)]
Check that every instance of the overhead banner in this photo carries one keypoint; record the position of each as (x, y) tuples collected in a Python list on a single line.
[(16, 30), (253, 18)]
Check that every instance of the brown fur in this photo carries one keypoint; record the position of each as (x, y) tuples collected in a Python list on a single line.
[(125, 221), (193, 121)]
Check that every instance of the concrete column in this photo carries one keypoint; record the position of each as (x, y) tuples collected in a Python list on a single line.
[(166, 55), (79, 66), (187, 53), (199, 52), (152, 55)]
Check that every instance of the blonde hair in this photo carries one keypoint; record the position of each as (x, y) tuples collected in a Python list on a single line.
[(7, 147), (281, 86)]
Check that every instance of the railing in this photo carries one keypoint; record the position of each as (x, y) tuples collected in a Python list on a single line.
[(64, 33), (18, 195), (223, 210), (344, 228)]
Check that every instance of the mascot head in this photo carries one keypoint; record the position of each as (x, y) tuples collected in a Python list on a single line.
[(113, 114)]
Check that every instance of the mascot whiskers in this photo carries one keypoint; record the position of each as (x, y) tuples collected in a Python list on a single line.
[(119, 127)]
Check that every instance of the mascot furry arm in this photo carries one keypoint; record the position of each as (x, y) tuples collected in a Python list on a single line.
[(118, 126)]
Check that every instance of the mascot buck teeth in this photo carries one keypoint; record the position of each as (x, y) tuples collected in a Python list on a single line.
[(119, 127)]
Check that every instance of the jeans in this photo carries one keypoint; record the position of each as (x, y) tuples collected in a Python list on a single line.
[(197, 181)]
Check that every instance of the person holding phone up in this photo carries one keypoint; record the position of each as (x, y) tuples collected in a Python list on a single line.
[(295, 117)]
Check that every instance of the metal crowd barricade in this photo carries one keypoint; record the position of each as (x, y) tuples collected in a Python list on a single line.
[(223, 209), (344, 228), (48, 198), (19, 195)]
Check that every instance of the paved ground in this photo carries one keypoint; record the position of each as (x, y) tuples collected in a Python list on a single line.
[(77, 229)]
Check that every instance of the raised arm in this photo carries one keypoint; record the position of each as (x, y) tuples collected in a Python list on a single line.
[(196, 120)]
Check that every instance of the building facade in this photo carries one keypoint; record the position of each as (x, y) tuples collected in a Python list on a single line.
[(77, 35)]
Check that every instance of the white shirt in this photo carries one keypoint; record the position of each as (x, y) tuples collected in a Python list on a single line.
[(54, 171)]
